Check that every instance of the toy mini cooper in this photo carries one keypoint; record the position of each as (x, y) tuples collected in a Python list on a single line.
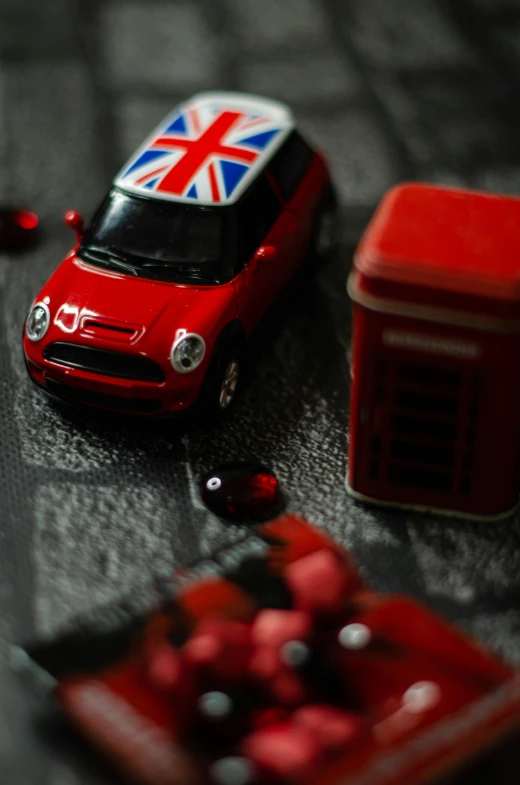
[(150, 312)]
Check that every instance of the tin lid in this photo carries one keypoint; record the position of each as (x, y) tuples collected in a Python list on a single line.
[(444, 246)]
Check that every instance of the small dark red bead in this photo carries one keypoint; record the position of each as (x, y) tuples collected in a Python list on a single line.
[(241, 492), (18, 229), (287, 751)]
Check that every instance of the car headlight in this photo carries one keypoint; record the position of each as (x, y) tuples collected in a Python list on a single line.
[(188, 353), (37, 322)]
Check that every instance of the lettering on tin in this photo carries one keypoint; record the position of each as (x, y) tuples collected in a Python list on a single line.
[(431, 344)]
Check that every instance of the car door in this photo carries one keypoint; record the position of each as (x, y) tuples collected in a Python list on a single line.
[(266, 257)]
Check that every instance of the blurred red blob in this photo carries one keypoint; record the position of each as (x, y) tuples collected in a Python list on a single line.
[(18, 229), (26, 219)]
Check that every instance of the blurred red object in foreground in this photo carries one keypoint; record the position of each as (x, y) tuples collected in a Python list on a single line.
[(18, 229), (256, 675)]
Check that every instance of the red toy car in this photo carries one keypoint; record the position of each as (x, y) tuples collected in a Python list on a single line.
[(283, 668), (200, 231)]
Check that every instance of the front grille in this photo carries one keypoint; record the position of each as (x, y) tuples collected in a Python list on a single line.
[(90, 398), (125, 366)]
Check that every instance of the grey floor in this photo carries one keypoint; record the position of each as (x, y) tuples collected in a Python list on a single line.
[(92, 509)]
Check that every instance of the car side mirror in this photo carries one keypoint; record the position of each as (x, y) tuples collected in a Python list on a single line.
[(266, 254), (75, 221)]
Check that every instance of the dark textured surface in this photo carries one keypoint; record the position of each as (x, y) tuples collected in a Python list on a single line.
[(90, 508)]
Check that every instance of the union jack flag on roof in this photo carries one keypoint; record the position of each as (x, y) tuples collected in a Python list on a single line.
[(208, 150)]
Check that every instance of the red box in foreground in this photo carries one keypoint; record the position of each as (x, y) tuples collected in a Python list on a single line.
[(435, 395), (284, 669)]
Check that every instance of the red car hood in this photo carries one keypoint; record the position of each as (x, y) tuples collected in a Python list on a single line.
[(80, 294)]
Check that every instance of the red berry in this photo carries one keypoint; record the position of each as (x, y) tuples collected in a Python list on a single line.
[(319, 582), (333, 727), (165, 668), (169, 672), (221, 647), (285, 750), (280, 681), (276, 627)]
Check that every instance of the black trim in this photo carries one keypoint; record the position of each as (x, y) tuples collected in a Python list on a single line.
[(106, 363), (290, 165)]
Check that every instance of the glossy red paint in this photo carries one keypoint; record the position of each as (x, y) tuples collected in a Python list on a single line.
[(156, 312), (75, 221), (117, 312), (434, 415), (364, 688)]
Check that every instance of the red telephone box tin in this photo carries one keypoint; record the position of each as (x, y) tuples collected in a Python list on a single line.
[(435, 393)]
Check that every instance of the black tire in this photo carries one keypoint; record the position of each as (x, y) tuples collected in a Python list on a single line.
[(223, 378), (325, 236)]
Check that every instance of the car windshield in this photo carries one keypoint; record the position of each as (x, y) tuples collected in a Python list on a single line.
[(162, 240)]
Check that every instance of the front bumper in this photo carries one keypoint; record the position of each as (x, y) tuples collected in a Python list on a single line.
[(78, 387)]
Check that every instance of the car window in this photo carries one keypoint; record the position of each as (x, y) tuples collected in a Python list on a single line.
[(158, 239), (290, 165), (257, 213)]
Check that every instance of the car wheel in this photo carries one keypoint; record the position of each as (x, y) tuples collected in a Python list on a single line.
[(222, 380), (326, 229), (229, 384)]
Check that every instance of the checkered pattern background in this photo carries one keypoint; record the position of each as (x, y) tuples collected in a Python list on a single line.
[(90, 508)]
